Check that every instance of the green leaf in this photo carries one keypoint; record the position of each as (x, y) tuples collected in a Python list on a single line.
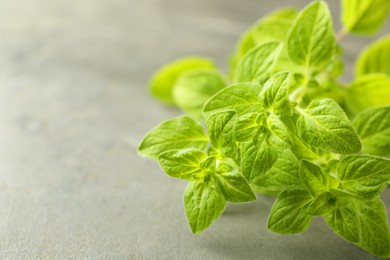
[(279, 129), (217, 125), (178, 133), (256, 160), (204, 204), (182, 163), (274, 94), (274, 26), (311, 41), (375, 58), (258, 64), (246, 126), (368, 91), (314, 178), (364, 175), (364, 16), (288, 214), (322, 205), (373, 127), (323, 124), (164, 79), (283, 175), (193, 88), (234, 187), (363, 222), (241, 97)]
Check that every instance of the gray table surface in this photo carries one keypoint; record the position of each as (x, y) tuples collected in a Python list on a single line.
[(73, 108)]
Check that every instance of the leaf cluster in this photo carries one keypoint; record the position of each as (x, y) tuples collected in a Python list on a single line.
[(282, 123)]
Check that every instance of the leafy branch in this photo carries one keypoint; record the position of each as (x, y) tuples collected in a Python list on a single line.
[(281, 123)]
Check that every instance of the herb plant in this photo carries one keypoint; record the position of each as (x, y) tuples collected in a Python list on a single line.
[(282, 123)]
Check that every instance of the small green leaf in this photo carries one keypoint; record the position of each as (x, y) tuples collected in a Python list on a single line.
[(313, 177), (193, 88), (363, 222), (322, 205), (323, 124), (373, 127), (217, 126), (204, 204), (182, 163), (311, 41), (178, 133), (164, 79), (258, 64), (364, 16), (246, 126), (375, 58), (364, 175), (288, 214), (368, 91), (256, 160), (240, 97), (234, 187), (283, 175), (274, 94)]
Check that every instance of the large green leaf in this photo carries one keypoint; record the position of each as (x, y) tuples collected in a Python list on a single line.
[(364, 16), (375, 58), (273, 27), (288, 214), (204, 203), (178, 133), (311, 41), (258, 64), (368, 91), (363, 222), (323, 124), (364, 175), (193, 88), (241, 97), (373, 127), (164, 79)]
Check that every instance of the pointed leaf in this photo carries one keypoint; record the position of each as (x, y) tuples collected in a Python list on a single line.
[(311, 41), (234, 187), (178, 133), (364, 175), (323, 124), (183, 163), (363, 222), (203, 204), (375, 58), (288, 214), (364, 16), (258, 64), (373, 127), (241, 97)]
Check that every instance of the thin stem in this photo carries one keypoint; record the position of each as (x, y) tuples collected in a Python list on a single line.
[(341, 34)]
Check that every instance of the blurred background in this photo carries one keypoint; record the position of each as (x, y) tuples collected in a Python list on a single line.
[(74, 105)]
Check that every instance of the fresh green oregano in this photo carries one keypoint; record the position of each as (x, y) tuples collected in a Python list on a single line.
[(282, 123)]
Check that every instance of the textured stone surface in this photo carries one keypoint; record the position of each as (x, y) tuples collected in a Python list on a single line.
[(73, 107)]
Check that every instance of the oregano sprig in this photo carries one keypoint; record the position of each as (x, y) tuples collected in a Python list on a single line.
[(283, 123)]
